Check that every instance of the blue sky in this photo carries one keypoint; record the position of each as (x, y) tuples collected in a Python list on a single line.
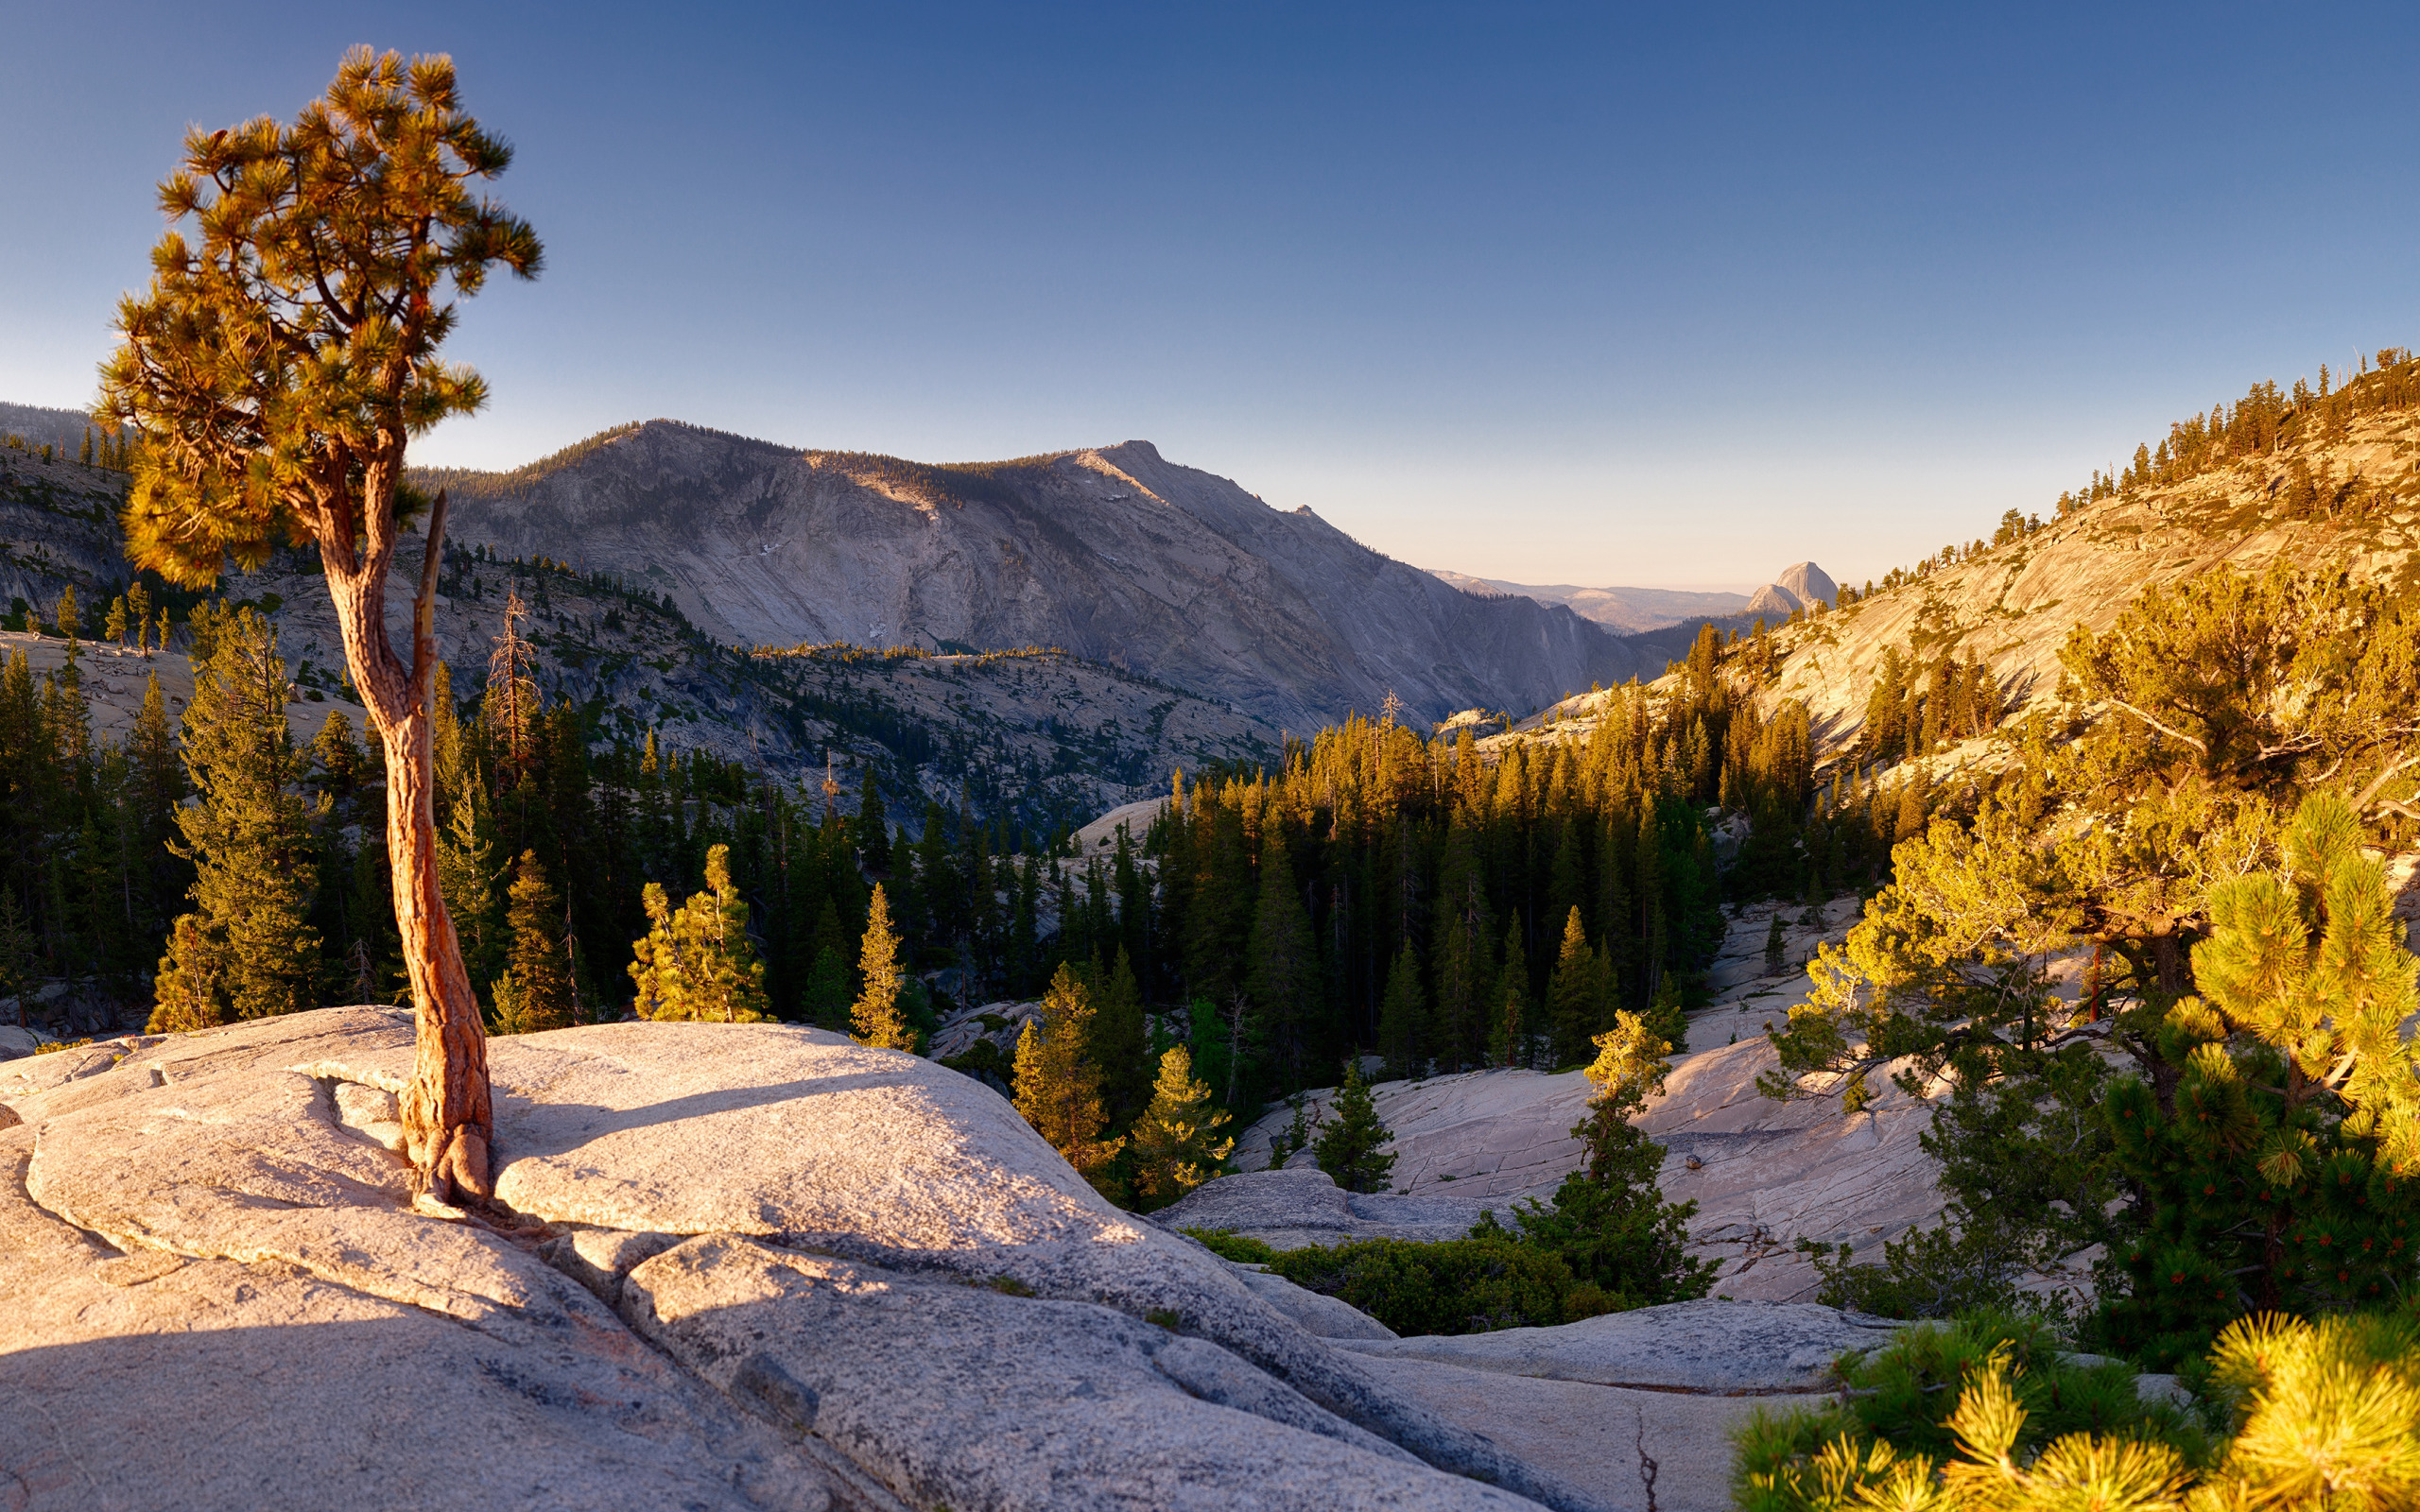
[(1652, 295)]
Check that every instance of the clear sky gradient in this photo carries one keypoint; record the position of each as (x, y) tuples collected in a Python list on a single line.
[(1594, 293)]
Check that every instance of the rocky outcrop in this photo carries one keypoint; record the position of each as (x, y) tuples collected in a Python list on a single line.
[(866, 1284), (1801, 587), (2014, 603), (1722, 1347), (1764, 1173), (1303, 1205), (1629, 1399), (59, 528), (1111, 553)]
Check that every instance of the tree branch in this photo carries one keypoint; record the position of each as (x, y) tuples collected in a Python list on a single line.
[(425, 603), (2162, 728), (2381, 781)]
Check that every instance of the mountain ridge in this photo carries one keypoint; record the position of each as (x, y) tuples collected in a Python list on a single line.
[(1113, 553)]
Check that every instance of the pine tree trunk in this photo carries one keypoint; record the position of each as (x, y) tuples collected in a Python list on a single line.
[(448, 1123)]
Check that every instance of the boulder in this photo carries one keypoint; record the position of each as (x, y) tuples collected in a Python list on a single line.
[(141, 1378), (1707, 1346), (1600, 1439), (1597, 1400), (957, 1395), (15, 1041), (641, 1167), (961, 1030), (1303, 1205)]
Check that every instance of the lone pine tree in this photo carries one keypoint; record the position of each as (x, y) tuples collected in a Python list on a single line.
[(275, 372), (1608, 1220), (534, 992), (1354, 1151), (875, 1016)]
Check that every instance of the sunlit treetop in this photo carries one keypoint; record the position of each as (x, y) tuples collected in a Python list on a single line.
[(288, 346)]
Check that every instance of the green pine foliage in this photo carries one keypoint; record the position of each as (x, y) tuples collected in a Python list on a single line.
[(1353, 1148), (246, 950), (1579, 997), (697, 962), (876, 1016), (1608, 1221), (1121, 1041), (2283, 1170), (1401, 1013), (1456, 1286), (535, 991), (1509, 1043), (1059, 1083), (1177, 1144), (1986, 1415), (2224, 1111)]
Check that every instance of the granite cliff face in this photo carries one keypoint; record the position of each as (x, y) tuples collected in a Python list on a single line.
[(58, 527), (1112, 553)]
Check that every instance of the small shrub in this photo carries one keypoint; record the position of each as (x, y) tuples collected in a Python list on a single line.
[(1930, 1272), (1459, 1286), (1227, 1245)]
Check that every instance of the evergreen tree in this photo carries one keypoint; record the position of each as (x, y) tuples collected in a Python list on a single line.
[(1177, 1144), (17, 978), (1121, 1041), (2281, 1177), (1058, 1083), (1608, 1220), (1352, 1150), (1025, 928), (534, 993), (874, 830), (1283, 979), (1401, 1014), (468, 871), (697, 961), (1509, 1039), (1577, 997), (304, 318), (875, 1016), (246, 951), (1464, 972)]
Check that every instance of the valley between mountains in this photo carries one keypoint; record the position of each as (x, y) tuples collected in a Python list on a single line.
[(1064, 942)]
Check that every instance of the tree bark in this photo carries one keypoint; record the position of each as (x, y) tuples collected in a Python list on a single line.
[(448, 1119)]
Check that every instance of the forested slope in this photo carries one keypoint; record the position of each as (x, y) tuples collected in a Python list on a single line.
[(2324, 482)]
